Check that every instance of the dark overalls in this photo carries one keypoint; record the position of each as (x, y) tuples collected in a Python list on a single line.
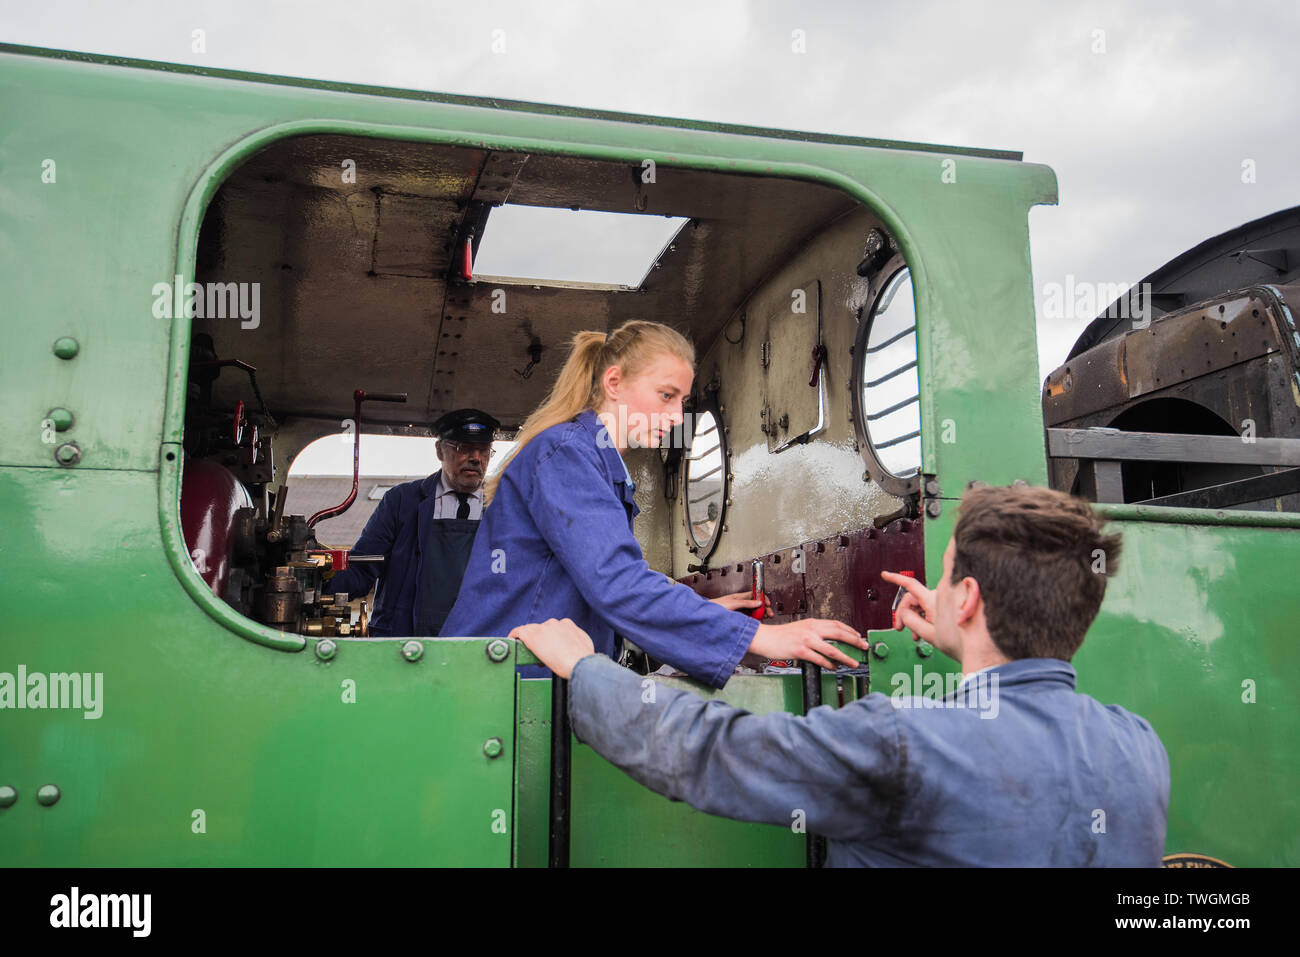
[(425, 560)]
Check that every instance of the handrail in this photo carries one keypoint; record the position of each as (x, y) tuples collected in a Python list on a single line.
[(1118, 445)]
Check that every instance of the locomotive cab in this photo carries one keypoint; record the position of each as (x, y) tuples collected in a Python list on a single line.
[(802, 449), (863, 315)]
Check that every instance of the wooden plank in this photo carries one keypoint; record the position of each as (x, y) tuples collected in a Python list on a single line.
[(1168, 447)]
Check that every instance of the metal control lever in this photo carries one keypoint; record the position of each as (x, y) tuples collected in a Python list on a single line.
[(341, 558), (359, 396), (819, 355), (757, 590)]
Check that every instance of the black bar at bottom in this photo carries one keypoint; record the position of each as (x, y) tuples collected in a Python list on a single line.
[(561, 757), (812, 697)]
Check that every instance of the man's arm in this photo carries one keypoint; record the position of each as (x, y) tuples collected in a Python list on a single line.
[(376, 539), (836, 771)]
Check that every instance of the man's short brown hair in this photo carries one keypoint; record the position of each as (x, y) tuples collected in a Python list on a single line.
[(1041, 560)]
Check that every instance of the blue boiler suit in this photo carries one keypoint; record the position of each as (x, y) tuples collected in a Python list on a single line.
[(557, 542), (1044, 777)]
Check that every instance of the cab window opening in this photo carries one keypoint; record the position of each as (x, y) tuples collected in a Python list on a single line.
[(375, 320)]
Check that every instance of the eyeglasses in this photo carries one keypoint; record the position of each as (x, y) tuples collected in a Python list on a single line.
[(467, 448)]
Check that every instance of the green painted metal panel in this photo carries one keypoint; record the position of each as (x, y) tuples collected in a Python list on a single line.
[(532, 771), (897, 673), (496, 103), (289, 773), (1197, 635), (265, 743), (618, 823)]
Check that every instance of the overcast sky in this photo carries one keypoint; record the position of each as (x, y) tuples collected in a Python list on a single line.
[(1146, 112)]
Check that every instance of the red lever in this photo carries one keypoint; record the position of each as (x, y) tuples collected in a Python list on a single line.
[(237, 430), (467, 263), (819, 353)]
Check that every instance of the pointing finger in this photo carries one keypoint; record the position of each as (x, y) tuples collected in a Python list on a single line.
[(913, 587)]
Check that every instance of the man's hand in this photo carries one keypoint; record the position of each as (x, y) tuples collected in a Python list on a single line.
[(916, 611), (560, 644), (807, 640), (742, 601)]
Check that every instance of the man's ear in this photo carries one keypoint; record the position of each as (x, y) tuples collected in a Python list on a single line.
[(437, 448), (971, 602)]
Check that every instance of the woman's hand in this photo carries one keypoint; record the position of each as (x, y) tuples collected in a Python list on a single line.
[(560, 644), (742, 601), (807, 640)]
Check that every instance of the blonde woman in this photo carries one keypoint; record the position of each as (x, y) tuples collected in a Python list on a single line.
[(556, 540)]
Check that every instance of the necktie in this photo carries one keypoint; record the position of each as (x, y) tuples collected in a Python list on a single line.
[(463, 498)]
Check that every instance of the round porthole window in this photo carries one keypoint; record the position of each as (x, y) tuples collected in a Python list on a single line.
[(886, 388), (705, 482)]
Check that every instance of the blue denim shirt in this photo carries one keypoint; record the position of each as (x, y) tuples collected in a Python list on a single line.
[(1027, 773), (557, 542)]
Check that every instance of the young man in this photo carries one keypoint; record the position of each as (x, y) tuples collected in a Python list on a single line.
[(425, 529), (1014, 768)]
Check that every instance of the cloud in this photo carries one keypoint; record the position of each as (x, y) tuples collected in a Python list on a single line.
[(1147, 134)]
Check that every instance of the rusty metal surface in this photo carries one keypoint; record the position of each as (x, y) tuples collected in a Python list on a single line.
[(1222, 335), (1259, 390), (1220, 368), (783, 585), (721, 580), (1214, 336), (1092, 381), (843, 573), (840, 577)]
